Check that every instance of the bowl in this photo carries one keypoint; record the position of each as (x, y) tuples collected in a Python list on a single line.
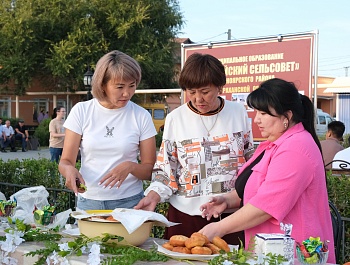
[(319, 258), (95, 228)]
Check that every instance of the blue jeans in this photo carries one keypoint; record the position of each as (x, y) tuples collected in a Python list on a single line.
[(10, 141), (23, 139), (55, 154), (88, 204)]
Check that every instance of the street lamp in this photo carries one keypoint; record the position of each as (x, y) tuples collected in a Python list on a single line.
[(87, 82)]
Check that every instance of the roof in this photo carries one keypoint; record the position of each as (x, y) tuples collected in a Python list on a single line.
[(339, 85)]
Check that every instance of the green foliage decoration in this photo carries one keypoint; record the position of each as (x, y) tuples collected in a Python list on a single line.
[(42, 132), (338, 192), (159, 138), (53, 41)]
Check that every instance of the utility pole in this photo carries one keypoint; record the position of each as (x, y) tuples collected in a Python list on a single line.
[(346, 70), (229, 34)]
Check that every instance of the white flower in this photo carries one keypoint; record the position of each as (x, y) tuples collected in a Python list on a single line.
[(83, 249), (227, 262), (7, 245), (53, 258), (94, 256), (10, 261), (64, 247), (17, 238)]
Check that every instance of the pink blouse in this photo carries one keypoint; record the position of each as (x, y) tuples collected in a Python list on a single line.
[(289, 184)]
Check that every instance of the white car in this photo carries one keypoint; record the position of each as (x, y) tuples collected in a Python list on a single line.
[(322, 121)]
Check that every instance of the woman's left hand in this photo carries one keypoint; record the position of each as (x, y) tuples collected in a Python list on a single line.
[(117, 175), (211, 230)]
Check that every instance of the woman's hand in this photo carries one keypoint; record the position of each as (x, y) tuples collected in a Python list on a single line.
[(211, 230), (149, 202), (214, 207), (117, 175), (71, 180)]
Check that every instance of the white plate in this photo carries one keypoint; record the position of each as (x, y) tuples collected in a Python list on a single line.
[(189, 256)]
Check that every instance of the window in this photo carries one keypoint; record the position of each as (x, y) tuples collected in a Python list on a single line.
[(322, 119), (5, 107), (159, 114)]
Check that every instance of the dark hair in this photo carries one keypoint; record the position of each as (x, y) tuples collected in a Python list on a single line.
[(54, 114), (337, 128), (283, 96), (201, 70)]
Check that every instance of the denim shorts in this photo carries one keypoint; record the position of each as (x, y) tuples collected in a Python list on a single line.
[(88, 204)]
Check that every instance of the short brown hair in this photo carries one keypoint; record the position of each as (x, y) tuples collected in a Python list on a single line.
[(202, 70), (114, 65)]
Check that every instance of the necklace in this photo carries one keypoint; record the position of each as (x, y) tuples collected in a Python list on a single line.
[(208, 131)]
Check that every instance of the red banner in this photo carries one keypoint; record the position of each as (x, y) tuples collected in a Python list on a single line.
[(250, 62)]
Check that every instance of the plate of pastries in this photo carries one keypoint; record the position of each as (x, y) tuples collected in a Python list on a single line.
[(197, 247)]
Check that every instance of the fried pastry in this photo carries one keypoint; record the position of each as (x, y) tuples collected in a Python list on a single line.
[(182, 250), (168, 246), (201, 235), (178, 240), (219, 242), (195, 241), (201, 250), (110, 218), (214, 249)]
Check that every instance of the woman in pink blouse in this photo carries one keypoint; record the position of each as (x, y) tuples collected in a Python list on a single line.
[(285, 179)]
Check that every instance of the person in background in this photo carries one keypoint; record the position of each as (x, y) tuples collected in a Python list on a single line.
[(22, 134), (111, 132), (2, 137), (57, 134), (204, 144), (9, 136), (41, 115), (332, 145), (284, 181)]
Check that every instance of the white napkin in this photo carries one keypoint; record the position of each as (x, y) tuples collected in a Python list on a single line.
[(133, 219)]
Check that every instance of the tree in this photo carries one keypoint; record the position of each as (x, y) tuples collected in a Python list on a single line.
[(55, 40)]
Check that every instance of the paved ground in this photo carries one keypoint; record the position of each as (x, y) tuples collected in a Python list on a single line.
[(42, 153)]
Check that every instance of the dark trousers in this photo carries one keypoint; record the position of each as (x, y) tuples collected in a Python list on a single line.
[(10, 141), (23, 140), (190, 224)]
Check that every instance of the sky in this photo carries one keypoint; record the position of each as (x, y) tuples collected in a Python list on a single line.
[(207, 20)]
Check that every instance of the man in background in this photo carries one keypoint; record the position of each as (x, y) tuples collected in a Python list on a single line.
[(22, 134), (332, 145), (2, 137), (10, 136)]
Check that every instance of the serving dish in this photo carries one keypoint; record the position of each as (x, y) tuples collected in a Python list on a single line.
[(97, 227)]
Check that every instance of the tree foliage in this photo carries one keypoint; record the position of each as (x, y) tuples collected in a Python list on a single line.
[(55, 40)]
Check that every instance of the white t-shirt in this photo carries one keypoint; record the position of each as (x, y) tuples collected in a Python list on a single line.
[(109, 137)]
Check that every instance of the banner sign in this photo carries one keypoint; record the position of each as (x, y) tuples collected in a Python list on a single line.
[(250, 62)]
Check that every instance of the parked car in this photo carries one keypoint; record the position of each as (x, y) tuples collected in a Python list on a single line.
[(322, 121)]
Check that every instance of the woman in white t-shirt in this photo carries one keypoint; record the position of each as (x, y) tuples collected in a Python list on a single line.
[(111, 131)]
